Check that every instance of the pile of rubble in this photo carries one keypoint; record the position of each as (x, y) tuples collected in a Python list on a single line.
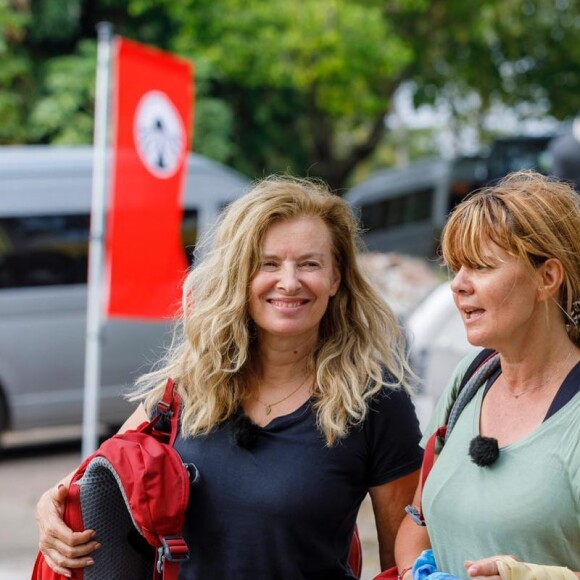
[(403, 281)]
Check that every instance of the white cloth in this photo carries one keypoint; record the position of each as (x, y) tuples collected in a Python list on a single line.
[(510, 569)]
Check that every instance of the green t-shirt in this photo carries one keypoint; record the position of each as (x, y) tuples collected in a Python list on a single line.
[(526, 504)]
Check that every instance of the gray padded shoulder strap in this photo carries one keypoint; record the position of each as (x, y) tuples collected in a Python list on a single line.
[(478, 379)]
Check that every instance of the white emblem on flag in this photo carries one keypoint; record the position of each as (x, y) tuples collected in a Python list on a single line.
[(159, 134)]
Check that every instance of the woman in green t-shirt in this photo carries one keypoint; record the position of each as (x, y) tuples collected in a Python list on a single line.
[(508, 479)]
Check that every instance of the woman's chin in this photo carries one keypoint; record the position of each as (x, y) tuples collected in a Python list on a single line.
[(478, 341)]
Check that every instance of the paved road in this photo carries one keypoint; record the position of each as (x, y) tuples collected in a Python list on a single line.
[(27, 469)]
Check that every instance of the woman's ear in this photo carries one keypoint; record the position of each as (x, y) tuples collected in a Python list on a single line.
[(335, 282), (551, 274)]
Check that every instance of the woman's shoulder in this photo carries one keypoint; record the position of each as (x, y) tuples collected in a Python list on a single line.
[(391, 402), (390, 392), (449, 394), (458, 374), (391, 428)]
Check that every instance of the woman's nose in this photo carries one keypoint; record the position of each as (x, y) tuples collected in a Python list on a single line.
[(289, 280), (460, 283)]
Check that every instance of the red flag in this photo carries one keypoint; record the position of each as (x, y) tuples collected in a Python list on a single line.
[(153, 106)]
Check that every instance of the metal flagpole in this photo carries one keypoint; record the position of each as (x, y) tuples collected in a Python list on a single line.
[(96, 244)]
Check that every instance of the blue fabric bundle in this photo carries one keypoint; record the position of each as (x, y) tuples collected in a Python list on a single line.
[(425, 568)]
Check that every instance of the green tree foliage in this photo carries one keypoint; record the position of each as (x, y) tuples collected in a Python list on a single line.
[(293, 86), (16, 76), (64, 112)]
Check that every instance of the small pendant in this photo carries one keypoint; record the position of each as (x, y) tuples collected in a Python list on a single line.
[(268, 409)]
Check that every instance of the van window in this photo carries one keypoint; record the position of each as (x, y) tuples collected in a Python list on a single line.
[(43, 250), (399, 210), (53, 249)]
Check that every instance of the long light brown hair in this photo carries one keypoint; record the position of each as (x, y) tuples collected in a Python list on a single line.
[(211, 355), (530, 216)]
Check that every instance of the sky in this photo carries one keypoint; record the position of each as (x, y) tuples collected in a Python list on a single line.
[(465, 141)]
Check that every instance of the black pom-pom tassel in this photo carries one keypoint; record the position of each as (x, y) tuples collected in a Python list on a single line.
[(483, 450), (245, 432)]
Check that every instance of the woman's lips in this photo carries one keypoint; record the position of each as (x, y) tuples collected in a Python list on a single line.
[(287, 304), (472, 314)]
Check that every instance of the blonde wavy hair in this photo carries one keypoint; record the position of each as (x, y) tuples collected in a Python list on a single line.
[(530, 216), (212, 354)]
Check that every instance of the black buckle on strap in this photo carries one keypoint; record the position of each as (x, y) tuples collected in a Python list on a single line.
[(172, 549)]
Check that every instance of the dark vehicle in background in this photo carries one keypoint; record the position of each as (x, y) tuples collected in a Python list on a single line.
[(45, 196), (403, 210), (515, 153)]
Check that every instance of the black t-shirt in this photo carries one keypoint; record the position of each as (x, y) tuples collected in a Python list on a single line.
[(286, 508)]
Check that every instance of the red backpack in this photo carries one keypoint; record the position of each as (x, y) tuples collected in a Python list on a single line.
[(133, 491)]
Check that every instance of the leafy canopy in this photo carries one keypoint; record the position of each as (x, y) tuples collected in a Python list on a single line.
[(293, 86)]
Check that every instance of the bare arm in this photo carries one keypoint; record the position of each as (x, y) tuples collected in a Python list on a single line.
[(411, 540), (389, 501), (62, 548)]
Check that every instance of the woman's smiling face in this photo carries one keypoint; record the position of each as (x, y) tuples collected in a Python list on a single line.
[(296, 278)]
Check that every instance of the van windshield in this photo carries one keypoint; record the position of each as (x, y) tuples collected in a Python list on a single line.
[(46, 250)]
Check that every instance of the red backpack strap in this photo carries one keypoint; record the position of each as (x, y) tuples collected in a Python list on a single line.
[(355, 555), (167, 398), (416, 512), (168, 412), (173, 552)]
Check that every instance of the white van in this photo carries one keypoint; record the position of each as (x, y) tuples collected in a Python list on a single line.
[(45, 195)]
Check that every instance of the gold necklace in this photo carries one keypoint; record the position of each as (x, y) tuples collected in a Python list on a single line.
[(268, 406), (555, 374)]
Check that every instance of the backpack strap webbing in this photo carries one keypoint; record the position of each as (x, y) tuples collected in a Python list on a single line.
[(480, 369), (174, 549), (168, 411), (480, 358)]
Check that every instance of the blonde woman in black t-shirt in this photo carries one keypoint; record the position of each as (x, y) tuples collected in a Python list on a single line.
[(294, 383)]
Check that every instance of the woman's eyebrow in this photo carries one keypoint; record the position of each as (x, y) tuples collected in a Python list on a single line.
[(301, 257)]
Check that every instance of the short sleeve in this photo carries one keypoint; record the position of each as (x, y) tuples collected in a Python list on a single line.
[(447, 398), (392, 434)]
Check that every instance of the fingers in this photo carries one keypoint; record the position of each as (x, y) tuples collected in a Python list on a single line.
[(64, 566), (74, 545), (60, 493), (485, 568), (62, 548), (74, 552), (51, 505), (54, 533)]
